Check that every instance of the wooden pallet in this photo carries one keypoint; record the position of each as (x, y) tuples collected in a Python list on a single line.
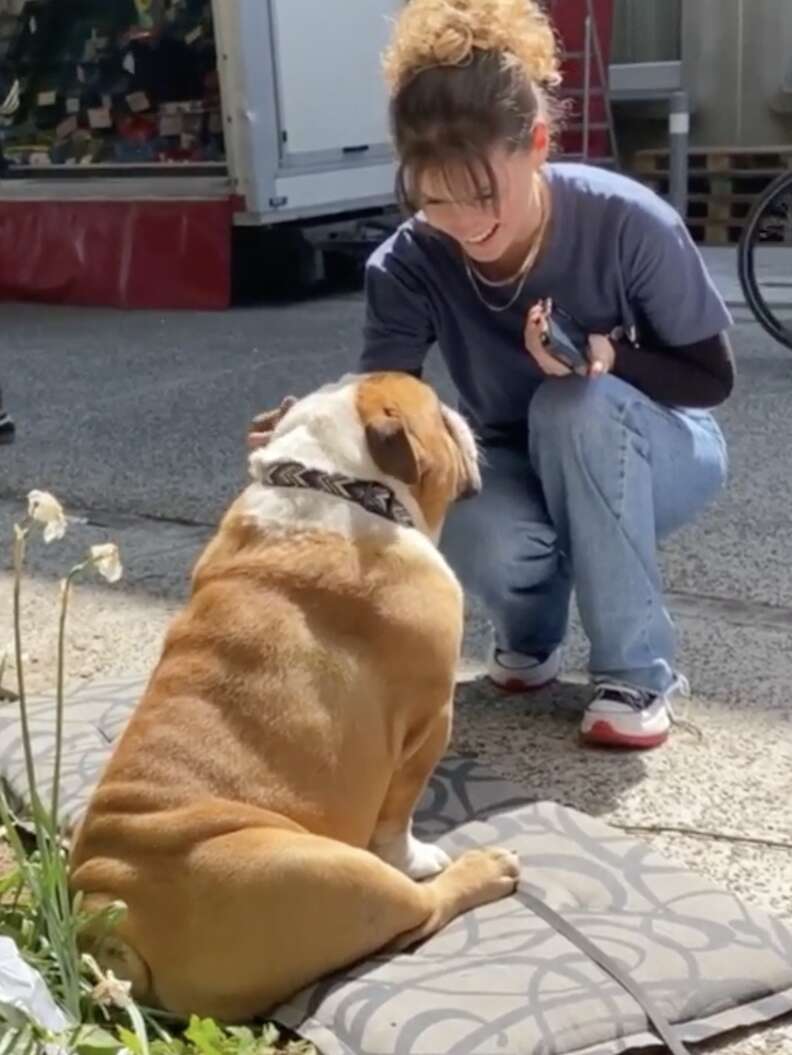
[(720, 160), (749, 183), (723, 184), (718, 219), (716, 233)]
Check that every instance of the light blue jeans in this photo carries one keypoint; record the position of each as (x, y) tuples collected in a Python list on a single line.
[(608, 473)]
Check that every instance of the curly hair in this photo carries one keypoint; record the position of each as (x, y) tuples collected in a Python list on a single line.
[(448, 32), (467, 76)]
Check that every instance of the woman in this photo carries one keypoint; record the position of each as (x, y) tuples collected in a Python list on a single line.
[(7, 427), (585, 470)]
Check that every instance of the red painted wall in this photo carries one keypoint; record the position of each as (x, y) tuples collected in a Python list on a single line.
[(159, 255), (569, 18)]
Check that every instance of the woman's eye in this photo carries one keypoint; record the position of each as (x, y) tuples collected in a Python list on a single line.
[(475, 202)]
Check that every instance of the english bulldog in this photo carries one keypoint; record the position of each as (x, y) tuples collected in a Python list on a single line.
[(255, 818)]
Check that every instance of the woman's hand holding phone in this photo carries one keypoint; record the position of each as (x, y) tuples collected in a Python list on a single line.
[(556, 354)]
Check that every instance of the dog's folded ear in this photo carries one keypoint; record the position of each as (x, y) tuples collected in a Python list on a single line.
[(391, 447)]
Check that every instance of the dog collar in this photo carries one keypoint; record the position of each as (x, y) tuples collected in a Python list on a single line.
[(370, 495)]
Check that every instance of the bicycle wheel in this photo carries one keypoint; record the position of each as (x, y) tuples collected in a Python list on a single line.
[(765, 260)]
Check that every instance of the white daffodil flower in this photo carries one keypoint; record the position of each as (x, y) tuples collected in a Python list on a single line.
[(45, 509), (107, 561)]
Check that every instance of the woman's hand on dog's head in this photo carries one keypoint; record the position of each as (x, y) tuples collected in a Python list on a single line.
[(263, 425)]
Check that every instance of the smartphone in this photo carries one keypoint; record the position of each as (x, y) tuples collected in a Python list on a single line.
[(566, 341)]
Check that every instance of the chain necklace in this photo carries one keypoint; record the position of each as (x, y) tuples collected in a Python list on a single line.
[(522, 273)]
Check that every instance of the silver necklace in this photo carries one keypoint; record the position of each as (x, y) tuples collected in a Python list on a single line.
[(499, 283), (522, 274), (496, 307)]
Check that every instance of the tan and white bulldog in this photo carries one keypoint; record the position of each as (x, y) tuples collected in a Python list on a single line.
[(255, 817)]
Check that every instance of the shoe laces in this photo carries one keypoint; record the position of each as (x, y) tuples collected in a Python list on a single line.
[(679, 716), (686, 724), (638, 699)]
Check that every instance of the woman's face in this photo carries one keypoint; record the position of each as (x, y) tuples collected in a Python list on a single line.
[(485, 227)]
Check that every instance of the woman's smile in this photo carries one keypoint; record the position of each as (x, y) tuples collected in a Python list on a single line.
[(485, 236)]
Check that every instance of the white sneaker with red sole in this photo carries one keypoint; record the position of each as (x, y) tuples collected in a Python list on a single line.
[(623, 716), (516, 672)]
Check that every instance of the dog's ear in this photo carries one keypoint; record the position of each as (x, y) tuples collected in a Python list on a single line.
[(391, 447)]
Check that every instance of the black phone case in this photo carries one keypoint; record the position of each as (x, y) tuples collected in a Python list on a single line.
[(568, 341)]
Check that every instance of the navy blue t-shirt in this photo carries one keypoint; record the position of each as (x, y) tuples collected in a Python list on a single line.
[(616, 256)]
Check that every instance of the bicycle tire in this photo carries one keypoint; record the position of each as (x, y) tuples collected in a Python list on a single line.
[(746, 263)]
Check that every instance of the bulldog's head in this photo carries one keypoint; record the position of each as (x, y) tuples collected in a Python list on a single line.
[(388, 425), (414, 438)]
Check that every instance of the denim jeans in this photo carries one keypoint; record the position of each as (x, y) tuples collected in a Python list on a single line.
[(607, 474)]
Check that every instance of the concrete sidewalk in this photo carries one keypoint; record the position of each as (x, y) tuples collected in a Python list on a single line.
[(773, 272), (722, 265), (137, 422)]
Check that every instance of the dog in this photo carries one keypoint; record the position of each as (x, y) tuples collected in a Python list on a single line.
[(255, 818)]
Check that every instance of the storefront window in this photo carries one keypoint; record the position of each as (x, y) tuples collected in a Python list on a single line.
[(106, 83)]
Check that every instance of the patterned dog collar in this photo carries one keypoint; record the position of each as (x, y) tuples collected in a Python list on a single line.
[(370, 495)]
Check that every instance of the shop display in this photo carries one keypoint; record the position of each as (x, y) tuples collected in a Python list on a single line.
[(108, 82)]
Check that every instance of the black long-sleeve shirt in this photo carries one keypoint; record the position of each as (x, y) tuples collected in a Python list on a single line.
[(692, 375)]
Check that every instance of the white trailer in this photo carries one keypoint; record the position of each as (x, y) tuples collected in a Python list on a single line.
[(305, 106)]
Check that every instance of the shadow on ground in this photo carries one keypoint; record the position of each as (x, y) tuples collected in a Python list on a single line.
[(535, 739)]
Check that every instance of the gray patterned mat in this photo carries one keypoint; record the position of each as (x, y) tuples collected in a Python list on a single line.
[(501, 981)]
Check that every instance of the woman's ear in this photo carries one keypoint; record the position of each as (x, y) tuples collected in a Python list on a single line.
[(540, 141)]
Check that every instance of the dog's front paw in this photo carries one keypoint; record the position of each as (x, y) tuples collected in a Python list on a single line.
[(416, 859), (425, 860)]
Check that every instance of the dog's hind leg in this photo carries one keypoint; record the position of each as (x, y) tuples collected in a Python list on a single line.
[(273, 910)]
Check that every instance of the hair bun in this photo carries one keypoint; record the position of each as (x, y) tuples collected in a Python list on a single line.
[(446, 33), (453, 46)]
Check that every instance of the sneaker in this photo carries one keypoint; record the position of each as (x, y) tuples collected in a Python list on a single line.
[(623, 716), (7, 428), (516, 672)]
